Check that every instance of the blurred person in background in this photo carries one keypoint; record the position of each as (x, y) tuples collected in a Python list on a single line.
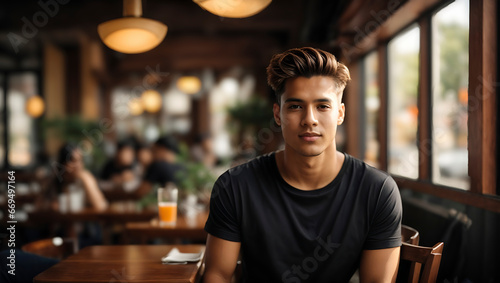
[(70, 174), (164, 167), (144, 157), (120, 171)]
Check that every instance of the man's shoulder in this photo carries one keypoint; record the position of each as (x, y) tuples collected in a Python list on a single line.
[(262, 162), (361, 169), (245, 174)]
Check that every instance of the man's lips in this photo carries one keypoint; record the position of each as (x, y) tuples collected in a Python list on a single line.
[(310, 136)]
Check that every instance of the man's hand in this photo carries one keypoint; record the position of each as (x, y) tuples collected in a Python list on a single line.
[(379, 265), (221, 257)]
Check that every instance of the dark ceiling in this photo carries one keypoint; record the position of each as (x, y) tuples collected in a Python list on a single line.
[(196, 39)]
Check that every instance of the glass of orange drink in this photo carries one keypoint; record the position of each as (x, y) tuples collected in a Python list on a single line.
[(167, 205)]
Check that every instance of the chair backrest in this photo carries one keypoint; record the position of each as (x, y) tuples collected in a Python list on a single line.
[(57, 248), (425, 259), (409, 235)]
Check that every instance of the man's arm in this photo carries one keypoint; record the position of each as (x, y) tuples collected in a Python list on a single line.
[(221, 257), (379, 265)]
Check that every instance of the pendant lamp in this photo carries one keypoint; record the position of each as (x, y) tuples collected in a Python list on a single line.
[(35, 106), (189, 84), (233, 8), (151, 100), (132, 33)]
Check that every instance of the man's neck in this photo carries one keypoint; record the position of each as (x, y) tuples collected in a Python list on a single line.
[(309, 172)]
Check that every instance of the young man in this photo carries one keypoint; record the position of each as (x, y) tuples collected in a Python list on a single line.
[(308, 213)]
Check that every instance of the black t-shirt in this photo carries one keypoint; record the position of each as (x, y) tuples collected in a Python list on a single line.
[(291, 235), (162, 172)]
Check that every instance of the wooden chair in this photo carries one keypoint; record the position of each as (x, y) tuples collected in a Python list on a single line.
[(57, 248), (409, 235), (425, 259)]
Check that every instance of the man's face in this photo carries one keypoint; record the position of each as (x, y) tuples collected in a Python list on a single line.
[(309, 114)]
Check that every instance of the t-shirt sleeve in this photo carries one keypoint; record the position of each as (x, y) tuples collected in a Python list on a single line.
[(385, 228), (222, 221)]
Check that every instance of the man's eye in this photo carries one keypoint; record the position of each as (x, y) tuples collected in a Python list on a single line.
[(294, 107), (324, 106)]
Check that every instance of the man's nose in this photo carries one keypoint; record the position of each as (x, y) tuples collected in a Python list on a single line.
[(310, 117)]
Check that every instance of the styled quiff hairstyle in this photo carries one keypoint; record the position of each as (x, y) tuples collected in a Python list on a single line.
[(305, 62)]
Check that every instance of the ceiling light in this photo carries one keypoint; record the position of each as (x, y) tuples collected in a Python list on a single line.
[(135, 107), (35, 106), (189, 84), (151, 100), (233, 8), (132, 33)]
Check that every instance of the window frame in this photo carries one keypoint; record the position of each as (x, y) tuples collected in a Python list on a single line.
[(483, 63)]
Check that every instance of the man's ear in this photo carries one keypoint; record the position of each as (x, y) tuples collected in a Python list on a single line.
[(276, 114), (341, 114)]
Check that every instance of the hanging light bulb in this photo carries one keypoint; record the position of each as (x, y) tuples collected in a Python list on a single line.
[(151, 100), (189, 84), (135, 107), (35, 106), (233, 8), (132, 33)]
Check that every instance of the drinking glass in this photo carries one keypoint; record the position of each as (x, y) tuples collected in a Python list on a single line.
[(167, 204)]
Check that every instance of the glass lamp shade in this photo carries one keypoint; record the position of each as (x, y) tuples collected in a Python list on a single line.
[(132, 34), (35, 106), (233, 8), (151, 101), (135, 107), (189, 84)]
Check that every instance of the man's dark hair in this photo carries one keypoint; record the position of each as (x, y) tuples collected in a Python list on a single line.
[(305, 62)]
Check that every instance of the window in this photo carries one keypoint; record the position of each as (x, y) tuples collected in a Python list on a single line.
[(22, 143), (403, 64), (372, 105), (450, 65), (438, 85)]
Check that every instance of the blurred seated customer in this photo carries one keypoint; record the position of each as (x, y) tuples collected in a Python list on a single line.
[(70, 175), (202, 150), (164, 167), (144, 158), (120, 170)]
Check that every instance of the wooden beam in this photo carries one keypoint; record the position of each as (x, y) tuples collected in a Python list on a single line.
[(465, 197), (482, 97), (380, 24), (383, 112), (424, 137)]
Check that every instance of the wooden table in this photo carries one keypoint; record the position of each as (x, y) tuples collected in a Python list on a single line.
[(190, 228), (106, 219), (124, 264), (109, 216)]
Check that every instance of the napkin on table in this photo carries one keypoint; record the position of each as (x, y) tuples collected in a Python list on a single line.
[(174, 256)]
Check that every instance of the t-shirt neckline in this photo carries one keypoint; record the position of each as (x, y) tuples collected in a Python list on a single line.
[(330, 186)]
